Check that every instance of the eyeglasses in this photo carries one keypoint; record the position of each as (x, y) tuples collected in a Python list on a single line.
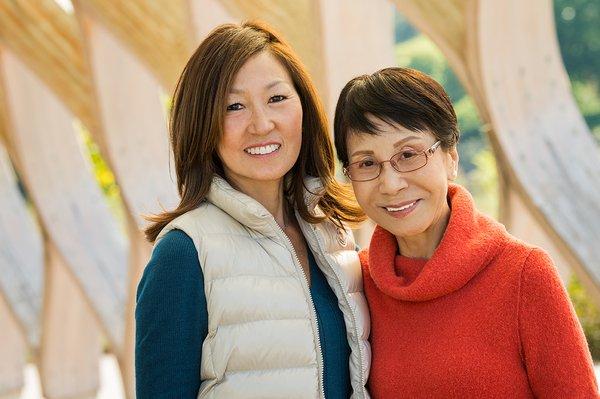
[(405, 161)]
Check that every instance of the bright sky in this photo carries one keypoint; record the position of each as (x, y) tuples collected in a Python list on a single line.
[(65, 5)]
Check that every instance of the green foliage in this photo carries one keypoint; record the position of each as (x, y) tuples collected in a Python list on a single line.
[(421, 53), (403, 30), (588, 315), (483, 182), (578, 29), (587, 95)]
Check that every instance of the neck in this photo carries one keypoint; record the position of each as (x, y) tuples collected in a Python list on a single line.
[(270, 195), (423, 245)]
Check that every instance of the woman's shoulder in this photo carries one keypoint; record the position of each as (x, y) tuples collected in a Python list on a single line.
[(174, 259), (172, 282), (539, 266), (532, 263), (175, 244)]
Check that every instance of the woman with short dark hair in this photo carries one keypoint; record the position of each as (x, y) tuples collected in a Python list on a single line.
[(459, 307)]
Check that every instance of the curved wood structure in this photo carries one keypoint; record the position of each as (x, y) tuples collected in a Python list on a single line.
[(21, 277), (21, 255), (158, 32), (522, 92), (13, 352), (549, 148), (132, 111), (367, 29), (111, 64), (206, 15), (90, 248), (47, 39), (71, 339), (64, 191), (298, 21), (132, 115)]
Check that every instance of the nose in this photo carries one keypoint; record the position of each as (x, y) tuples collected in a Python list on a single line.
[(261, 122), (390, 180)]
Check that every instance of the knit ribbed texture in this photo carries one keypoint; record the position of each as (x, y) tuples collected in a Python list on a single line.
[(487, 316), (172, 322)]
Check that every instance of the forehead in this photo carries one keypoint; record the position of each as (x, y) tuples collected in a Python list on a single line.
[(259, 71), (388, 135)]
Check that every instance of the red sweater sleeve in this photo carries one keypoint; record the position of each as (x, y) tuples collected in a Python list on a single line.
[(554, 348)]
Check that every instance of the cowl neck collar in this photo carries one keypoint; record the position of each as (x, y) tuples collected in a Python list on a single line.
[(471, 240)]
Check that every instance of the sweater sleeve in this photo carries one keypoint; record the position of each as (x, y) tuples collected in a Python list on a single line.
[(171, 321), (554, 348)]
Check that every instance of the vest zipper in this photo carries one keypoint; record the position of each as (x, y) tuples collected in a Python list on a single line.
[(313, 309), (337, 277)]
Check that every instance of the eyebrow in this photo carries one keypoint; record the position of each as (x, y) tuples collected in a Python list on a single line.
[(274, 83), (396, 144)]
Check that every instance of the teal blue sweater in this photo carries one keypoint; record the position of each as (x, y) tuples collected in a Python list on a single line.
[(172, 322)]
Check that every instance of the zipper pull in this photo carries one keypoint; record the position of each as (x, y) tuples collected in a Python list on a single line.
[(342, 237)]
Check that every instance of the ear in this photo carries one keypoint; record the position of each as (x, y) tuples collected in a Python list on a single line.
[(452, 163)]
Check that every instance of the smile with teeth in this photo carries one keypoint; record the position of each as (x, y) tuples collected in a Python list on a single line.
[(402, 208), (267, 149)]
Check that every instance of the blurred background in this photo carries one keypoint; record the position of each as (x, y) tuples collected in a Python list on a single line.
[(84, 92)]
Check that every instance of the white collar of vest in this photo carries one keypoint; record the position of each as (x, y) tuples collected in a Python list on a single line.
[(250, 212)]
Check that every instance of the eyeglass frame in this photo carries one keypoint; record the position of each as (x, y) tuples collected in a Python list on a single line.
[(428, 152)]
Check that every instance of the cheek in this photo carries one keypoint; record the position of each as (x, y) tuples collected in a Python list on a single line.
[(233, 128), (227, 148), (361, 192), (224, 145), (231, 138), (293, 121)]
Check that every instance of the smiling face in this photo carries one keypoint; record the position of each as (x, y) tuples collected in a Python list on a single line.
[(410, 205), (262, 132)]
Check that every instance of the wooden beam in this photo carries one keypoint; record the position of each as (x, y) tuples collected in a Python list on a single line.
[(300, 24), (542, 134), (158, 32), (64, 191), (13, 352), (47, 39), (71, 340), (21, 255)]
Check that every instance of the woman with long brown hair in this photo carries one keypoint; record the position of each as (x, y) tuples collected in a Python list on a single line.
[(253, 289)]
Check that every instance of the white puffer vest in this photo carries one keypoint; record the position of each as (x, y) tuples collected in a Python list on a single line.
[(263, 339)]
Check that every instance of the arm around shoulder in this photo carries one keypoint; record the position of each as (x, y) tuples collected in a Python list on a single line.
[(171, 321)]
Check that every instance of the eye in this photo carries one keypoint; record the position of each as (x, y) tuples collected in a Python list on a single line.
[(277, 98), (407, 154), (366, 164), (234, 107)]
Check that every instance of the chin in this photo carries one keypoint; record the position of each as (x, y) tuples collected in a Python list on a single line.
[(400, 229), (407, 233), (269, 175)]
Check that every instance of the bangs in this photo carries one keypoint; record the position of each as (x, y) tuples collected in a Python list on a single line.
[(365, 101)]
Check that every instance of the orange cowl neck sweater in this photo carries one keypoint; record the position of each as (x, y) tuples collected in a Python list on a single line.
[(485, 317)]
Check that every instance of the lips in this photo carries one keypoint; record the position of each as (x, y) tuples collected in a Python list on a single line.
[(263, 149), (401, 209), (400, 206)]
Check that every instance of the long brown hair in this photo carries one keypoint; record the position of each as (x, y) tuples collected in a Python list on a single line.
[(197, 115)]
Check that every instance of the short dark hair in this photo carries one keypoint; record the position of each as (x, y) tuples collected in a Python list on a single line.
[(401, 96)]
